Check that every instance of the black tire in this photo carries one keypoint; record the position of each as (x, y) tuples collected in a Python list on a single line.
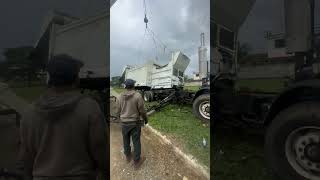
[(151, 96), (146, 96), (141, 92), (200, 101), (294, 123)]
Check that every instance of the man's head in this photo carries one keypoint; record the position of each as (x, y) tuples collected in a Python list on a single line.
[(63, 70), (129, 84)]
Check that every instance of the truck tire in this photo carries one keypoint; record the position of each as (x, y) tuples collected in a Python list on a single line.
[(147, 96), (151, 96), (201, 107), (292, 142)]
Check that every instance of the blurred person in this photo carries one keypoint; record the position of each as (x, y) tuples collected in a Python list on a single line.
[(132, 116), (63, 133)]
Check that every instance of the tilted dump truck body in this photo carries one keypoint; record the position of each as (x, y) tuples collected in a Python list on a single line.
[(153, 76), (86, 40)]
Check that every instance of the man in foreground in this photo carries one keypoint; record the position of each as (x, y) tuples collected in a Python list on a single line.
[(64, 133), (131, 109)]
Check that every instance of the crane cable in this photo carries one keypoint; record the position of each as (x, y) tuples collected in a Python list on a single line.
[(145, 13), (151, 33), (158, 39), (155, 44), (141, 43)]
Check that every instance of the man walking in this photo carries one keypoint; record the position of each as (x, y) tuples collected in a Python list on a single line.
[(64, 133), (131, 110)]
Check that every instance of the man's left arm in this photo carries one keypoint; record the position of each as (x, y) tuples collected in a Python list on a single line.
[(98, 139), (141, 109)]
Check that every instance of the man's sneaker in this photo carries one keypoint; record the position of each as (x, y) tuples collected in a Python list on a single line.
[(137, 164), (128, 157)]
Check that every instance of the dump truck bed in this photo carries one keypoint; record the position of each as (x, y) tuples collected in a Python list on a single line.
[(154, 76)]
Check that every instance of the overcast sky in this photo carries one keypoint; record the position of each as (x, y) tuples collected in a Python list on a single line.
[(177, 24), (21, 20)]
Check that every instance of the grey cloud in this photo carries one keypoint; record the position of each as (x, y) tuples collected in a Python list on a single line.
[(177, 23), (20, 21)]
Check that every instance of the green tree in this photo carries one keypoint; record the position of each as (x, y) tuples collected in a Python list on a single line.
[(116, 81), (21, 63)]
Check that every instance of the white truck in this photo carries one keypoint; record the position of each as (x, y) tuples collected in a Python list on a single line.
[(155, 81), (85, 39)]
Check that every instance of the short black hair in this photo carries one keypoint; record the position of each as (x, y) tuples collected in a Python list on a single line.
[(63, 70)]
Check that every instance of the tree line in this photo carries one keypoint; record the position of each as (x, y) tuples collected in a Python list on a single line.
[(21, 64)]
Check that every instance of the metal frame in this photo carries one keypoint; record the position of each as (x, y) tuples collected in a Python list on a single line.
[(233, 52)]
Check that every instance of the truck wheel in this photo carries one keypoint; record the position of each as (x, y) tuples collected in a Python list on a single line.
[(146, 96), (151, 96), (201, 107), (292, 142)]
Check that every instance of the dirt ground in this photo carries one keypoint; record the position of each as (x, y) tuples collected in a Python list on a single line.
[(161, 160)]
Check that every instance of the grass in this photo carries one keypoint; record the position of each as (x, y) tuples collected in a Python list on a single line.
[(192, 88), (239, 154), (118, 89), (29, 93), (179, 123), (261, 85)]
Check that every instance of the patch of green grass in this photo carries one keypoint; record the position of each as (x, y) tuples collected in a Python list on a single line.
[(192, 88), (238, 154), (29, 93), (179, 122), (261, 85), (118, 89)]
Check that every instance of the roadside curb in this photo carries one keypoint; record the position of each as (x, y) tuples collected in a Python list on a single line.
[(187, 157)]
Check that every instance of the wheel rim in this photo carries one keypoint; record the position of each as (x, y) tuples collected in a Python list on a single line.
[(204, 109), (302, 150)]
